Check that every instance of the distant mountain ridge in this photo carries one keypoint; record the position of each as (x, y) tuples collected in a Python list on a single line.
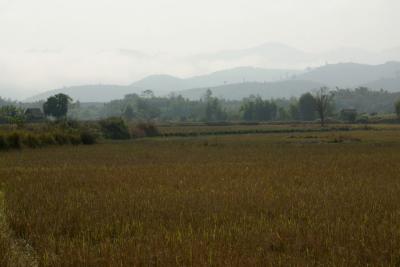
[(351, 74), (243, 81), (120, 63), (388, 84), (282, 55), (164, 84), (89, 93)]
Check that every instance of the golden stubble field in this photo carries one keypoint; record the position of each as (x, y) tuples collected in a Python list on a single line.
[(306, 199)]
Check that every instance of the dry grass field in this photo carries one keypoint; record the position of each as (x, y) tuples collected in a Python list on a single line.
[(200, 129), (279, 199)]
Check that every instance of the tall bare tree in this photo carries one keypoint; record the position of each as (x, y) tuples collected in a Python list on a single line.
[(323, 100)]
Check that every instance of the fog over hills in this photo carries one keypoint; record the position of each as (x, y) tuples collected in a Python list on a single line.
[(244, 81), (281, 55), (242, 74), (21, 77), (89, 93), (165, 84), (388, 84), (351, 74), (269, 54)]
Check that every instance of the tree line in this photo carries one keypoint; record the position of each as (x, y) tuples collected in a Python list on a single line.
[(317, 105)]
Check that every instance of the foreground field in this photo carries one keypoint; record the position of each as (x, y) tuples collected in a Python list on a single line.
[(288, 199)]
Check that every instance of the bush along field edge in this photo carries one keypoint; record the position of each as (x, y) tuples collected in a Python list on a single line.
[(71, 132)]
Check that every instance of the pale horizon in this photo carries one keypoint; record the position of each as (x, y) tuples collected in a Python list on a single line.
[(51, 44)]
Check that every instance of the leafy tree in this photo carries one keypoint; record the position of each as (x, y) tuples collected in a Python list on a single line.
[(247, 110), (397, 108), (323, 103), (349, 115), (207, 96), (10, 111), (307, 107), (256, 109), (129, 114), (57, 106), (147, 109), (283, 114), (3, 102), (114, 128), (214, 111), (365, 100), (11, 114), (147, 94), (294, 111)]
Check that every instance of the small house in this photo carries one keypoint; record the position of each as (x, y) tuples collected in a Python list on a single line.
[(34, 115)]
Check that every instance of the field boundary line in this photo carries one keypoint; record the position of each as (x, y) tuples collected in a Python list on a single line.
[(261, 131)]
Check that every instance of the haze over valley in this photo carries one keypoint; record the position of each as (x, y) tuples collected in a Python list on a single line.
[(57, 44), (238, 83)]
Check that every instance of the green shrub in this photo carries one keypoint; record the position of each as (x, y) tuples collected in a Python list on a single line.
[(362, 119), (114, 128), (137, 133), (348, 115), (68, 124), (14, 140), (148, 129), (47, 139), (88, 138), (74, 139), (3, 143), (61, 138), (31, 141)]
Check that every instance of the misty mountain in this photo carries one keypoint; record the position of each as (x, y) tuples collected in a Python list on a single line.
[(351, 54), (280, 89), (241, 82), (281, 56), (265, 55), (392, 53), (161, 84), (268, 51), (8, 90), (241, 74), (89, 93), (351, 74), (164, 84), (388, 84), (272, 60)]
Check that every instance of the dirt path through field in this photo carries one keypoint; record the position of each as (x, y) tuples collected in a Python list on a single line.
[(18, 252)]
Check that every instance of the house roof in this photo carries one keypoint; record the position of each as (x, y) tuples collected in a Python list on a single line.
[(34, 112)]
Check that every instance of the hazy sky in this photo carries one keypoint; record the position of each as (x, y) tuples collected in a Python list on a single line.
[(46, 44)]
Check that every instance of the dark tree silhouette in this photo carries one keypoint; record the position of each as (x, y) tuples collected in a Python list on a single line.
[(213, 109), (307, 107), (57, 106), (323, 101), (257, 109), (397, 108), (129, 114)]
